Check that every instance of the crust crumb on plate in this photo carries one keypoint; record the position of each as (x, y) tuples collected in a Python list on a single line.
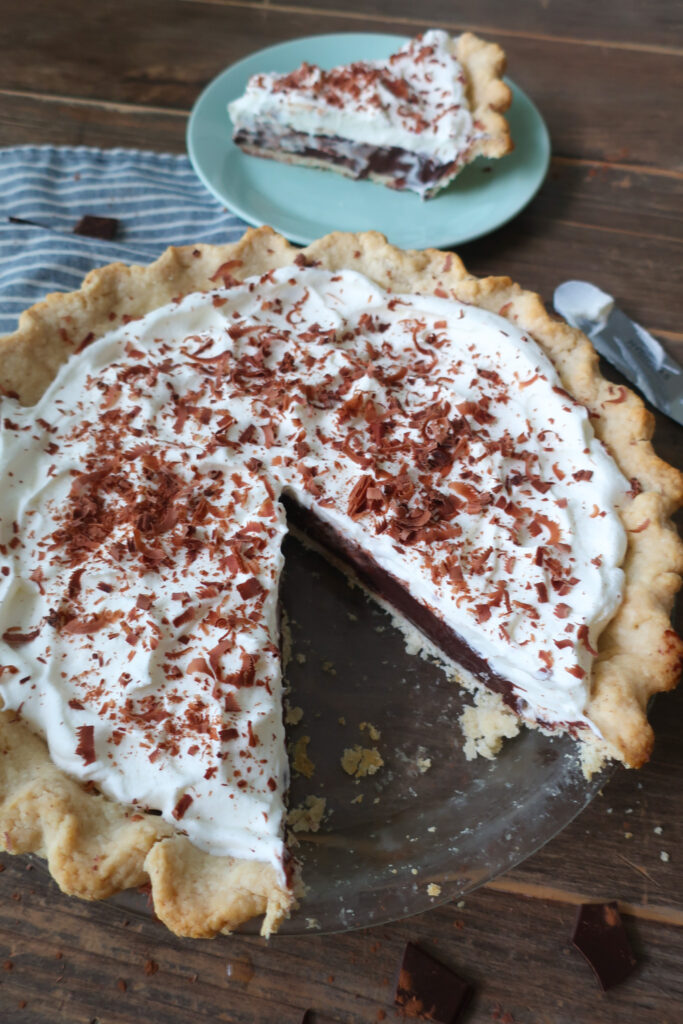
[(361, 761)]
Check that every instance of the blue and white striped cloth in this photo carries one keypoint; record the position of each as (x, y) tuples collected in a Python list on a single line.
[(156, 197)]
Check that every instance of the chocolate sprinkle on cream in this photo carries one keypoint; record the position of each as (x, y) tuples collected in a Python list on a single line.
[(86, 743), (182, 806)]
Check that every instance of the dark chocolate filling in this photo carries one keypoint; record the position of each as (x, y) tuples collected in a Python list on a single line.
[(394, 592), (407, 169)]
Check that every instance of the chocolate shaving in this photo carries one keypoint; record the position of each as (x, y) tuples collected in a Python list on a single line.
[(14, 637), (223, 273), (250, 588), (357, 498), (600, 936), (87, 626), (181, 807), (86, 743)]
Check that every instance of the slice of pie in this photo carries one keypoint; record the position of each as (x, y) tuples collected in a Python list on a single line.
[(455, 446), (412, 121)]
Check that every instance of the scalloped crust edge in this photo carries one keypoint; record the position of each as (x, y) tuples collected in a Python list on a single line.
[(96, 847), (488, 95)]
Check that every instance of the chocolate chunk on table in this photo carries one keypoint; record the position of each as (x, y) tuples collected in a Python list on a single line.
[(599, 934), (97, 227), (429, 990)]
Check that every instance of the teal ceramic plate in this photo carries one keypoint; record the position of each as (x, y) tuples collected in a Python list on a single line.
[(303, 203)]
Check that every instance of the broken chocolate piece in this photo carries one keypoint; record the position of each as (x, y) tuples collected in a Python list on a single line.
[(97, 227), (599, 934), (428, 989)]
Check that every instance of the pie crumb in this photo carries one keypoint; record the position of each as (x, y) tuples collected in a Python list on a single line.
[(664, 856), (424, 764), (293, 715), (307, 817), (358, 799), (341, 720), (301, 762), (433, 889), (485, 725), (361, 761), (373, 733)]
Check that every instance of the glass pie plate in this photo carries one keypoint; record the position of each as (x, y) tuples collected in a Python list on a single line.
[(428, 826)]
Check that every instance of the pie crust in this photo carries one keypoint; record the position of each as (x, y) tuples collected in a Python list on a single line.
[(487, 93), (96, 847)]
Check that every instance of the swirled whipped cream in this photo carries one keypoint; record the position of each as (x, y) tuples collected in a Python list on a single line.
[(141, 524), (415, 101)]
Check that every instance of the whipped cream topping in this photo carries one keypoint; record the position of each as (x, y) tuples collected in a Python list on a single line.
[(140, 526), (415, 100)]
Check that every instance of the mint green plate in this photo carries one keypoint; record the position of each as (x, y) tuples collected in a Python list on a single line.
[(303, 203)]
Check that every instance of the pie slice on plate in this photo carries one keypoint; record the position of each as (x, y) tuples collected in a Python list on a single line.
[(412, 121), (442, 435)]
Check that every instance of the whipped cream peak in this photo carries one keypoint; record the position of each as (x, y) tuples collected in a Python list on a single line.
[(141, 523)]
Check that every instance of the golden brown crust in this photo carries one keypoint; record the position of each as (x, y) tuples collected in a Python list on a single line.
[(488, 95), (94, 846)]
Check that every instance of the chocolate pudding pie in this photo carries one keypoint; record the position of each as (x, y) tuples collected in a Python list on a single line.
[(412, 121), (445, 438)]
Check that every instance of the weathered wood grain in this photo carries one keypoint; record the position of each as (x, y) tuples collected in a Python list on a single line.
[(656, 25), (32, 119), (516, 951), (162, 52), (540, 252)]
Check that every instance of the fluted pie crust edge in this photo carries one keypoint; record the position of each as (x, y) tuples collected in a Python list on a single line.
[(96, 847)]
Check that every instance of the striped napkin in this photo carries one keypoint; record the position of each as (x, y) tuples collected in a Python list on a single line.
[(156, 197)]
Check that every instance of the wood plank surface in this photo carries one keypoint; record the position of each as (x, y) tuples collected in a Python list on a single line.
[(633, 25), (607, 78), (161, 52), (515, 950)]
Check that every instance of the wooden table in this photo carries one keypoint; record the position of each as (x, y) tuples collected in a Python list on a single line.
[(608, 78)]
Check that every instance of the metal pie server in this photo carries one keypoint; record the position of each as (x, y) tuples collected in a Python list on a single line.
[(625, 344)]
